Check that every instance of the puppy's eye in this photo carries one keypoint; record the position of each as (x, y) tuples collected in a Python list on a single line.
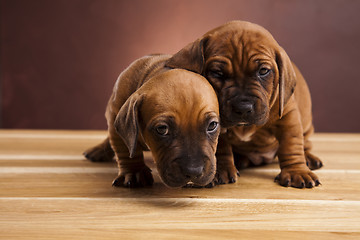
[(212, 127), (162, 130), (263, 72), (216, 74)]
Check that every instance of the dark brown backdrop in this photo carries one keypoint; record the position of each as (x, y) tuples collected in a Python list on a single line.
[(60, 58)]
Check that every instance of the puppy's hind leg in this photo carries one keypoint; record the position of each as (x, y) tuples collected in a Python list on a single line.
[(100, 153)]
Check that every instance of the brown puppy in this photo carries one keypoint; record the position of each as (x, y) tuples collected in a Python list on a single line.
[(264, 101), (174, 113)]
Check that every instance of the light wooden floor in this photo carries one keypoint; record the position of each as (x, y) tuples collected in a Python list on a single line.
[(49, 191)]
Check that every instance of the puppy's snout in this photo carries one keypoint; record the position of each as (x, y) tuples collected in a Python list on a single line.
[(190, 168), (243, 108), (192, 172)]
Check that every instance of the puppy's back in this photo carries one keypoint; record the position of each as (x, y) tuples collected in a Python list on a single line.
[(132, 78)]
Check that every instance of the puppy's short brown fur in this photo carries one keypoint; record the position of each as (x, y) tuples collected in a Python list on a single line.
[(264, 101), (174, 113)]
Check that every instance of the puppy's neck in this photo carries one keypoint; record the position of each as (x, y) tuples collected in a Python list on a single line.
[(243, 133)]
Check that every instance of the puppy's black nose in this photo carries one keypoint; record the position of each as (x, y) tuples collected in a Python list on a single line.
[(192, 172), (243, 108)]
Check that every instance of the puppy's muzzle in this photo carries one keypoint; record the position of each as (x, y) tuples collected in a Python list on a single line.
[(246, 110), (243, 109), (184, 170), (192, 172)]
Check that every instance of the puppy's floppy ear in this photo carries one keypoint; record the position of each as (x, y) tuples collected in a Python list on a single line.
[(287, 78), (190, 57), (127, 122)]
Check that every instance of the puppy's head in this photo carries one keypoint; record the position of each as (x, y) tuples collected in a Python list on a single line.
[(176, 115), (248, 69)]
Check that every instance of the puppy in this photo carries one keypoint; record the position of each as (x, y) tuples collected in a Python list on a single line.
[(264, 101), (173, 113)]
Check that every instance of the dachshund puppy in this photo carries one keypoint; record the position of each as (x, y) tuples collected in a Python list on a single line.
[(264, 101), (172, 113)]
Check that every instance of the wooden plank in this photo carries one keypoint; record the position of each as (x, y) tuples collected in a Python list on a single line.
[(97, 232), (343, 160), (58, 134), (340, 149), (117, 217), (45, 142), (70, 182), (48, 190), (31, 142)]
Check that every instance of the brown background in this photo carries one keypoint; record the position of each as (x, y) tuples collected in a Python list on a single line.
[(60, 58)]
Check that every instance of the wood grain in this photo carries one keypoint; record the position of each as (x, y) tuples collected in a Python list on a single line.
[(49, 191)]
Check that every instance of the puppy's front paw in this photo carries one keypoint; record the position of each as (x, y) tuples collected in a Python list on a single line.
[(141, 178), (298, 178), (226, 174)]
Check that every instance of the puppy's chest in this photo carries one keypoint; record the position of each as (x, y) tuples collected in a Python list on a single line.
[(245, 134), (242, 134)]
